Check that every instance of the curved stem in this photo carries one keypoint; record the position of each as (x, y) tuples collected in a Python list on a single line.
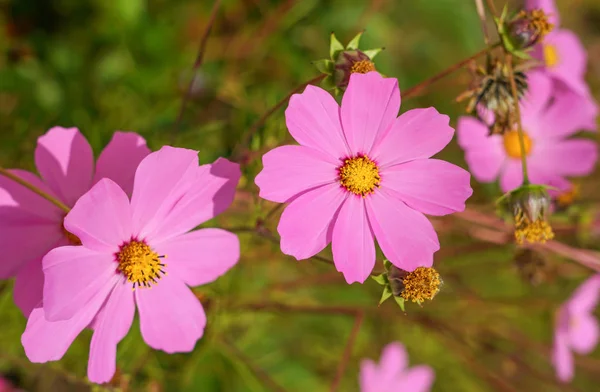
[(513, 86), (34, 189)]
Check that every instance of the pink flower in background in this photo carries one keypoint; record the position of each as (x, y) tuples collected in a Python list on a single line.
[(576, 328), (30, 225), (547, 124), (361, 173), (145, 244), (392, 374)]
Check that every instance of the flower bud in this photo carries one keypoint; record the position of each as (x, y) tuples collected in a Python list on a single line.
[(528, 28), (529, 205)]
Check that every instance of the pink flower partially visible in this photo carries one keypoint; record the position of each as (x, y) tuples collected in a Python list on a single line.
[(359, 173), (392, 374), (576, 329), (547, 124), (30, 225), (146, 244)]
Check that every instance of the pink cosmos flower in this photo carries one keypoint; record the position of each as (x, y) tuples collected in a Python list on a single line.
[(576, 328), (146, 244), (547, 124), (360, 172), (30, 225), (392, 373)]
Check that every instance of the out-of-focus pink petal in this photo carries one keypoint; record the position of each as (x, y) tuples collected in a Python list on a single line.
[(101, 218), (290, 170), (484, 154), (539, 92), (394, 359), (562, 358), (171, 317), (571, 58), (549, 7), (45, 341), (200, 256), (352, 241), (120, 159), (112, 324), (370, 106), (416, 379), (17, 196), (405, 236), (65, 160), (29, 286), (416, 134), (369, 377), (306, 225), (583, 333), (313, 119), (586, 297), (430, 186), (569, 113), (541, 176), (576, 157), (73, 276), (511, 176)]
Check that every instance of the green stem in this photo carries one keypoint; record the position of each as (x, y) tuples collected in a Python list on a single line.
[(34, 189), (513, 86)]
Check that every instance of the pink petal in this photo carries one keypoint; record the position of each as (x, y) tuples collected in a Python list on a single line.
[(210, 193), (290, 170), (430, 186), (572, 58), (583, 334), (484, 154), (417, 379), (575, 157), (538, 95), (512, 175), (112, 324), (17, 196), (120, 159), (568, 114), (313, 119), (549, 8), (585, 298), (29, 286), (73, 276), (352, 241), (562, 358), (306, 225), (101, 218), (201, 256), (394, 358), (370, 106), (416, 134), (45, 341), (65, 160), (405, 236), (171, 317), (369, 377)]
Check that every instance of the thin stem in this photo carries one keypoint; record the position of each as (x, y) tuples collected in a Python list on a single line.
[(290, 308), (34, 189), (197, 62), (481, 14), (426, 83), (260, 122), (515, 95), (347, 351), (492, 7)]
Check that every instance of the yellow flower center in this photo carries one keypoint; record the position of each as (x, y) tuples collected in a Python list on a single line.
[(363, 66), (551, 55), (421, 284), (536, 231), (140, 264), (359, 175), (513, 146), (72, 238)]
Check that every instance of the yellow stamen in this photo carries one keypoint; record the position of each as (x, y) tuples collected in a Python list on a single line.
[(538, 230), (512, 145), (359, 175), (140, 264), (551, 55), (363, 66), (421, 284)]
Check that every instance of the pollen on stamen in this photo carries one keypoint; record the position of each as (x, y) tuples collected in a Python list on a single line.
[(359, 175), (421, 284), (363, 67), (140, 264)]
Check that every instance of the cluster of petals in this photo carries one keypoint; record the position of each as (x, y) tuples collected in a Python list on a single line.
[(322, 210), (549, 119), (577, 329), (30, 225), (393, 374)]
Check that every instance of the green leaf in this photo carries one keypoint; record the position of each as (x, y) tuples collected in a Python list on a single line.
[(372, 52), (328, 83), (380, 279), (353, 45), (335, 47), (387, 293), (324, 66), (400, 302), (386, 264)]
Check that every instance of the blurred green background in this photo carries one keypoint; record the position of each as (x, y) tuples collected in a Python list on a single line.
[(126, 64)]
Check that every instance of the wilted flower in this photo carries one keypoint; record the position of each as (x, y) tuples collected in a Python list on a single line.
[(393, 374), (30, 225), (361, 172), (576, 328), (144, 244), (547, 123), (529, 206)]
